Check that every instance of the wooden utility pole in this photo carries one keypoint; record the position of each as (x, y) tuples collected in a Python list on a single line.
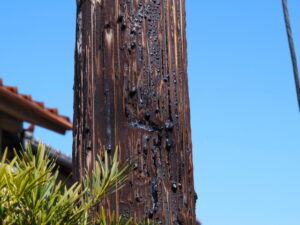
[(131, 91)]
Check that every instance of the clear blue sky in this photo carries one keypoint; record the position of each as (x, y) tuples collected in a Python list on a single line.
[(245, 120)]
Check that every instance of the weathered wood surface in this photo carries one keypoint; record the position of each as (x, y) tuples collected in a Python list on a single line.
[(131, 91)]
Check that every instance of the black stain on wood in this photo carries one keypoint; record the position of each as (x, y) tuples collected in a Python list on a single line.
[(131, 91)]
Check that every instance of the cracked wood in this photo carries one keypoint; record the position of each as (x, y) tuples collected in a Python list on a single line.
[(131, 91)]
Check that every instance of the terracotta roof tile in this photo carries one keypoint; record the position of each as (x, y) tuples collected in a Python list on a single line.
[(41, 104), (53, 110), (45, 113), (12, 89), (66, 118), (27, 97)]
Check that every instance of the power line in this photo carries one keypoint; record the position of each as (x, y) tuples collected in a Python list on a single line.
[(292, 48)]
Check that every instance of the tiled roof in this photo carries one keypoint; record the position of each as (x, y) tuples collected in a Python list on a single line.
[(22, 107)]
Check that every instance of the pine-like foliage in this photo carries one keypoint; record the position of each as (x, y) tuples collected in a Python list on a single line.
[(31, 193)]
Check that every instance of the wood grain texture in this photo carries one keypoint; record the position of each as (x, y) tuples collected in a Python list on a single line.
[(131, 91)]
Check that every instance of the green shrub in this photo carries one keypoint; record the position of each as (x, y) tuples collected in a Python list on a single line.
[(31, 194)]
